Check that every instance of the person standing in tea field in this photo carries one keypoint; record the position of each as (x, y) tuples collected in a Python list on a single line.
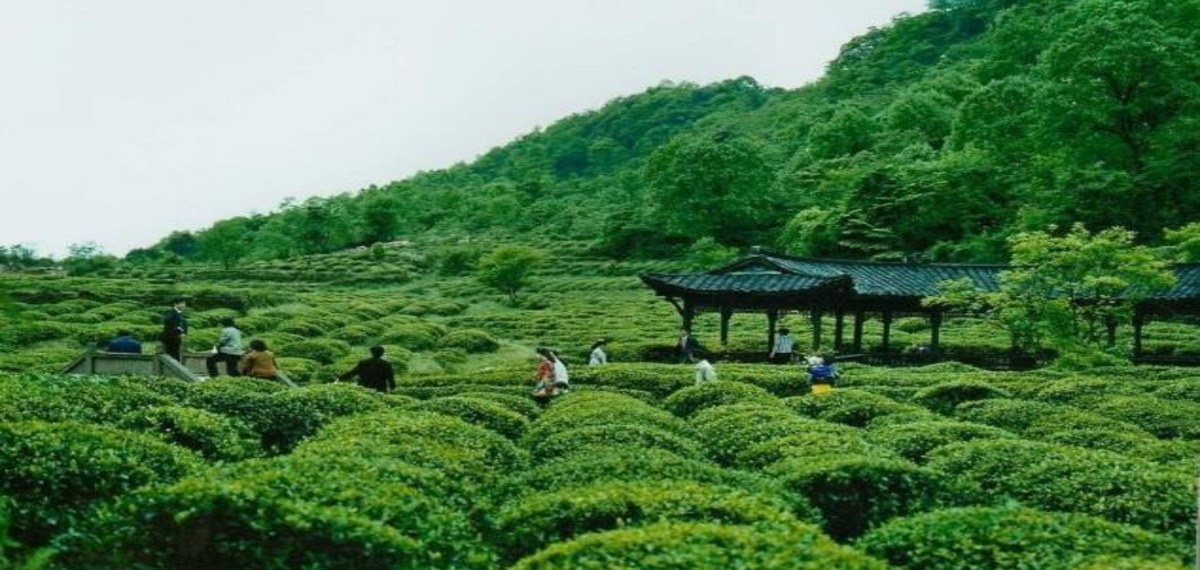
[(175, 328), (598, 357), (259, 362), (374, 372), (687, 345), (781, 353), (228, 350)]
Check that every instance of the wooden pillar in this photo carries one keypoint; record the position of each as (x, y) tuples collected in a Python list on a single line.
[(1139, 320), (887, 330), (772, 319), (726, 314), (859, 318), (689, 313), (935, 331), (814, 316), (1110, 331), (839, 329)]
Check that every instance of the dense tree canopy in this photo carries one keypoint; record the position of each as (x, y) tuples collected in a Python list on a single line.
[(940, 135)]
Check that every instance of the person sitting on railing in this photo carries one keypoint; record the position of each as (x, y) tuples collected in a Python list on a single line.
[(227, 350), (124, 343), (259, 362)]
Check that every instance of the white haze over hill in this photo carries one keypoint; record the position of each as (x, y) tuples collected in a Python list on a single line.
[(127, 119)]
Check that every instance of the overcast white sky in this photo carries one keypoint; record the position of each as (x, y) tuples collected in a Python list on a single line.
[(123, 120)]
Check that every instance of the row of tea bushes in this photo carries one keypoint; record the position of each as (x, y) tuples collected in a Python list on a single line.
[(475, 474)]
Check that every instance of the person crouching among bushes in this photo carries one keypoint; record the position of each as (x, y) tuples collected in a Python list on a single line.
[(821, 374), (705, 371), (259, 362), (552, 377), (124, 343), (375, 372)]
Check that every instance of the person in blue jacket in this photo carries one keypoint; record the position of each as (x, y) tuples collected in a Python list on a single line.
[(124, 343)]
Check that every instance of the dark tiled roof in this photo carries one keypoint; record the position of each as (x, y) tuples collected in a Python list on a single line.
[(774, 274), (1187, 285), (746, 283)]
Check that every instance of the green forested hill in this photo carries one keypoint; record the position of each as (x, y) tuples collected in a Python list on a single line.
[(939, 135)]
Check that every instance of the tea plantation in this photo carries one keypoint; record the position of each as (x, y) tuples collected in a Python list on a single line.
[(937, 467)]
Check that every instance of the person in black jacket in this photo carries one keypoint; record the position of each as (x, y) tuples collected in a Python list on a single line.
[(375, 372), (175, 327)]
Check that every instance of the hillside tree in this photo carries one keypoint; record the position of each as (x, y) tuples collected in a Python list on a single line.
[(508, 268)]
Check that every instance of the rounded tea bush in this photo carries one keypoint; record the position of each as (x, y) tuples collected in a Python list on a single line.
[(632, 465), (1068, 479), (913, 440), (61, 398), (688, 401), (855, 494), (584, 409), (527, 523), (942, 398), (56, 471), (212, 435), (725, 439), (701, 546), (1162, 418), (473, 341), (1000, 538), (592, 439), (481, 412), (810, 446), (464, 453), (322, 350), (849, 406), (291, 512)]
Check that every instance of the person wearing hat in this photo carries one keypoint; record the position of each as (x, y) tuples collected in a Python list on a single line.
[(374, 372), (598, 357)]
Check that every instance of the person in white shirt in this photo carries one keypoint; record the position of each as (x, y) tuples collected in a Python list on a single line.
[(705, 372), (781, 353), (598, 357)]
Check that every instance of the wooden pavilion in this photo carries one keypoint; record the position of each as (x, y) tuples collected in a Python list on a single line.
[(775, 284)]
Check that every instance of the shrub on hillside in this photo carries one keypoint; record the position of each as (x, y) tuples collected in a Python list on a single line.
[(659, 379), (1180, 390), (296, 414), (528, 523), (1162, 418), (473, 341), (520, 404), (322, 350), (215, 437), (290, 512), (61, 398), (57, 471), (466, 455), (807, 446), (692, 399), (1060, 478), (1034, 418), (726, 439), (480, 412), (848, 406), (999, 538), (584, 409), (594, 439), (855, 494), (942, 398), (1106, 439), (1077, 389), (675, 546), (413, 335), (913, 440)]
